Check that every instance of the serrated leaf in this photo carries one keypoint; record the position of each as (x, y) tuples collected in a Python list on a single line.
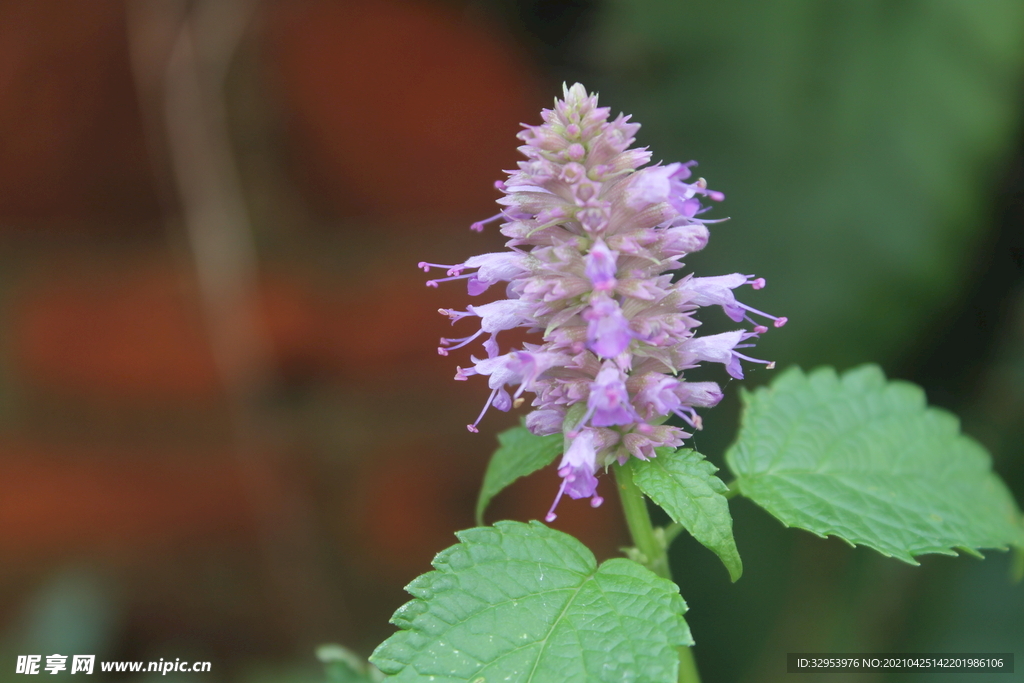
[(866, 460), (519, 453), (684, 484), (524, 603)]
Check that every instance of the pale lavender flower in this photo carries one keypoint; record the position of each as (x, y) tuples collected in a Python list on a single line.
[(717, 290), (601, 266), (577, 470), (593, 242), (608, 404), (608, 332), (517, 367), (721, 348)]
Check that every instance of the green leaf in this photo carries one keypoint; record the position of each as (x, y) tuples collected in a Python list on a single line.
[(684, 484), (524, 603), (519, 453), (866, 460), (344, 666)]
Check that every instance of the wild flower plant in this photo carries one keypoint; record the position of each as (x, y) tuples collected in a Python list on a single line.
[(597, 237)]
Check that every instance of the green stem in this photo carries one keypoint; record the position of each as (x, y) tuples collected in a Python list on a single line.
[(653, 550), (672, 531), (639, 522)]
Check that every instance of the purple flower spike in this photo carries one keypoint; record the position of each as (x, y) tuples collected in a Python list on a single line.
[(595, 237)]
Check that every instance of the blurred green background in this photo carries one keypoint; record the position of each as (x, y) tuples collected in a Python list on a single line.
[(225, 434)]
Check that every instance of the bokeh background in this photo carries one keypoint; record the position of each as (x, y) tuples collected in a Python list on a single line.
[(225, 433)]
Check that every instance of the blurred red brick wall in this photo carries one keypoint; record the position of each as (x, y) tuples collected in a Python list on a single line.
[(394, 115), (71, 140)]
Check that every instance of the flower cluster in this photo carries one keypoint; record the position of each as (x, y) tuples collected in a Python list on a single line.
[(594, 240)]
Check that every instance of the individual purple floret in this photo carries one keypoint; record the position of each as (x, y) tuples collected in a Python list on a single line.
[(594, 238)]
